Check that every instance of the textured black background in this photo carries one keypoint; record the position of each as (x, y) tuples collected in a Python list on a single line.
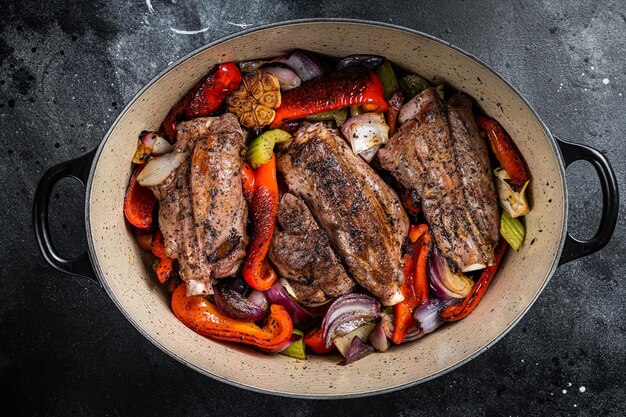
[(68, 67)]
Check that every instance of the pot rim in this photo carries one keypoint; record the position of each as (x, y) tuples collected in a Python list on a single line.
[(100, 275)]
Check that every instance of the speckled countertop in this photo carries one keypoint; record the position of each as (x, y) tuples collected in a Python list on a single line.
[(68, 67)]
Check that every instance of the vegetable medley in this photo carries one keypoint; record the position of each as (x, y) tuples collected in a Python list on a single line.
[(305, 204)]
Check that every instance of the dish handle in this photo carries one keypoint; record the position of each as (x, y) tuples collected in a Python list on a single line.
[(576, 248), (77, 168)]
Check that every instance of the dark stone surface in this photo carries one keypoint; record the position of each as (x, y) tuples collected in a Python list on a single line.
[(68, 67)]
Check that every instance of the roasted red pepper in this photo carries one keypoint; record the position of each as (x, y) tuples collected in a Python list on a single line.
[(205, 97), (203, 317), (505, 151), (396, 101), (165, 268), (469, 303), (314, 339), (247, 180), (411, 201), (263, 209), (415, 285), (354, 86), (139, 203)]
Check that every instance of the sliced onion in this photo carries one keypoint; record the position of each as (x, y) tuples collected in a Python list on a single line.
[(159, 168), (366, 131), (288, 288), (277, 294), (444, 282), (348, 313), (150, 143), (161, 146), (368, 61), (427, 315), (287, 78), (235, 284), (427, 318), (369, 154), (358, 350), (195, 287), (378, 338), (386, 322), (342, 343), (304, 63), (258, 297), (237, 306)]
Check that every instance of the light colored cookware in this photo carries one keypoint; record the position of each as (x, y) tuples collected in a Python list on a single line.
[(118, 264)]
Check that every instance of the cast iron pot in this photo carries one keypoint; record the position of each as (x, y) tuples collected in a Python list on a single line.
[(115, 261)]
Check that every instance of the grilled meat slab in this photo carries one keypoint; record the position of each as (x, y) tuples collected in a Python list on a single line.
[(301, 253), (475, 167), (202, 211), (361, 215), (424, 155)]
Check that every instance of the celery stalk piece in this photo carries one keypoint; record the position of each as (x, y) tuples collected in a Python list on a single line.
[(388, 77), (296, 349), (261, 148), (512, 230)]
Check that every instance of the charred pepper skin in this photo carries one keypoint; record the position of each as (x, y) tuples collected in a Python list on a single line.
[(204, 98), (263, 210), (203, 317), (469, 303), (139, 203), (165, 268), (354, 86), (415, 285), (505, 151)]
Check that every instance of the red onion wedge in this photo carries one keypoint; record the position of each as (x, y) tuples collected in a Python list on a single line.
[(287, 78), (150, 143), (378, 338), (304, 63), (427, 318), (358, 350), (368, 61), (258, 297), (348, 313), (445, 283), (236, 306), (277, 294)]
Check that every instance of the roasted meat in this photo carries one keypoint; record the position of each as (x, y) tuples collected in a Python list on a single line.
[(202, 211), (301, 252), (473, 161), (424, 155), (361, 215)]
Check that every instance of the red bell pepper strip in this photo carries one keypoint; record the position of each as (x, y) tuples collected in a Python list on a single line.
[(396, 101), (263, 209), (314, 339), (469, 303), (415, 285), (205, 97), (247, 180), (353, 86), (165, 268), (505, 151), (411, 201), (203, 317), (415, 232), (139, 203)]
